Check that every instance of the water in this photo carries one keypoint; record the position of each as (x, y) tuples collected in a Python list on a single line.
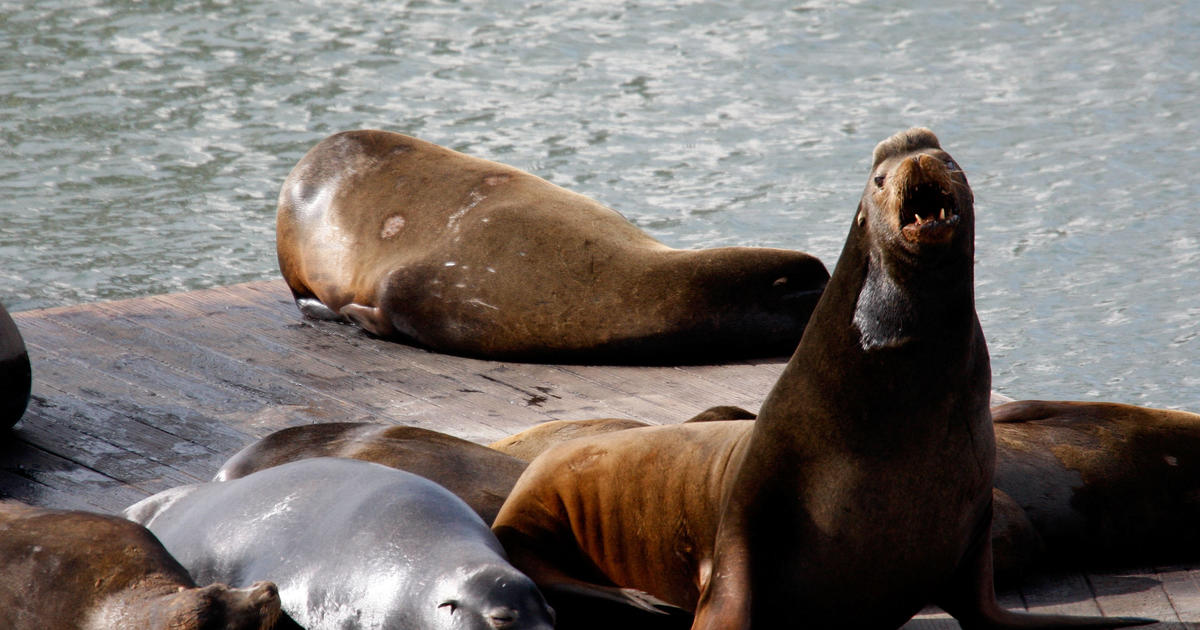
[(144, 142)]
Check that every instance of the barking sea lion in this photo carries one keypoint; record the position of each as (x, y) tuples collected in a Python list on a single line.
[(861, 493)]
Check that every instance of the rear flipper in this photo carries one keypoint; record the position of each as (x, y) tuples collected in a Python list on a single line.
[(971, 599), (371, 318)]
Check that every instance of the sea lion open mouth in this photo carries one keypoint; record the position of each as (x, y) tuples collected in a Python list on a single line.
[(928, 213)]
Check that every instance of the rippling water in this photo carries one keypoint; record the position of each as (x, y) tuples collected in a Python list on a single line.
[(145, 142)]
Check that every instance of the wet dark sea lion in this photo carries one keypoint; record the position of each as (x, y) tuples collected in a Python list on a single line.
[(861, 493), (1103, 483), (70, 570), (476, 474), (15, 376), (416, 242), (350, 544)]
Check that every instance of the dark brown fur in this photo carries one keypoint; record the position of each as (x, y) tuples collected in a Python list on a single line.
[(861, 493), (1103, 482), (416, 242), (63, 570), (477, 474)]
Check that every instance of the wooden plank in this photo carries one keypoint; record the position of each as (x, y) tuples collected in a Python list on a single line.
[(544, 391), (40, 477), (570, 393), (1066, 594), (1182, 587), (1135, 593)]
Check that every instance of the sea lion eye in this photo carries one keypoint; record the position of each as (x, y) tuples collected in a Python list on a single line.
[(879, 180), (950, 164)]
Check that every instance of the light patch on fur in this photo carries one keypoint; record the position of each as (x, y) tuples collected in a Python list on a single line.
[(495, 180), (475, 200), (904, 142), (391, 226), (147, 510), (882, 314), (479, 302), (283, 507)]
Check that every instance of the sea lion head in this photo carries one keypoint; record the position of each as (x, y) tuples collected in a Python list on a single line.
[(917, 199), (492, 597), (219, 607)]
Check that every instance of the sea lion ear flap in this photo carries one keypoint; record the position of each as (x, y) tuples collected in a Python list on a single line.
[(904, 142)]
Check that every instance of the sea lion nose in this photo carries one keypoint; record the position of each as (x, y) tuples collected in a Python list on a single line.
[(263, 592), (502, 618)]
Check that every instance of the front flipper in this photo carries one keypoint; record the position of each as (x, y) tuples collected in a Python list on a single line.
[(971, 599), (371, 318), (580, 604)]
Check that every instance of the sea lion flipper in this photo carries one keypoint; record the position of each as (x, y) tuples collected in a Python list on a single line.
[(971, 600), (371, 318), (316, 309)]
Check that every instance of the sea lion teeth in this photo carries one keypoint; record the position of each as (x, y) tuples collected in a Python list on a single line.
[(943, 216), (919, 219)]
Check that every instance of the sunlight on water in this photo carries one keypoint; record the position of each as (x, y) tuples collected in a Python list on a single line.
[(145, 142)]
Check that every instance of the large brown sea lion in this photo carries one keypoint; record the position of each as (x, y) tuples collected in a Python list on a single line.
[(417, 242), (1103, 483), (478, 475), (67, 570), (15, 376), (351, 544), (861, 493)]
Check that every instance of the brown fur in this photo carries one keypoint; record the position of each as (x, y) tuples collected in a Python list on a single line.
[(531, 442), (478, 475), (1103, 482), (63, 570), (417, 242), (860, 494)]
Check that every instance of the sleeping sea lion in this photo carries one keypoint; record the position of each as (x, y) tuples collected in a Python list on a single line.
[(70, 570), (861, 493), (478, 475), (1103, 483), (416, 242), (350, 544)]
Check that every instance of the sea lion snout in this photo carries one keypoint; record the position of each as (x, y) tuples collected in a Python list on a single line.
[(922, 189), (497, 599)]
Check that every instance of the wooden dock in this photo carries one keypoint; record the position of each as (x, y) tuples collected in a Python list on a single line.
[(140, 395)]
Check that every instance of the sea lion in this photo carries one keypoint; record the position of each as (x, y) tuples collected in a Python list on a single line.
[(530, 443), (862, 492), (15, 376), (1103, 483), (408, 553), (415, 242), (478, 475), (69, 570)]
